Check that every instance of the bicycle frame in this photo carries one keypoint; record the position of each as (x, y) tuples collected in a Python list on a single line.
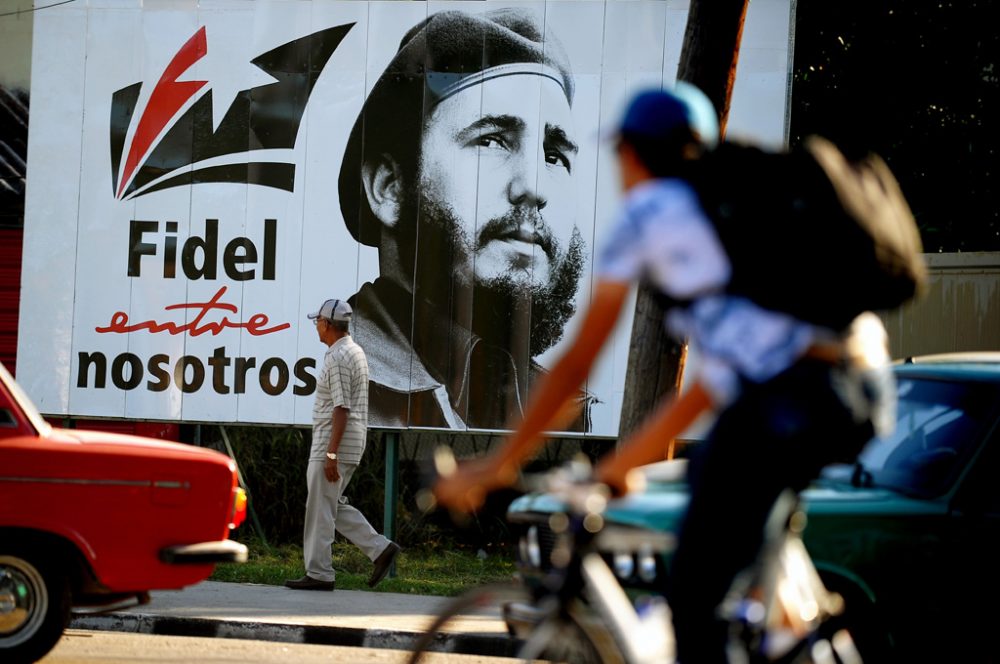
[(640, 638), (643, 640), (776, 607), (779, 606)]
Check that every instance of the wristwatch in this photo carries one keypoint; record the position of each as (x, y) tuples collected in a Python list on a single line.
[(331, 455)]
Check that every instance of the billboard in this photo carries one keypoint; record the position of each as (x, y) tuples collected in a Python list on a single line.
[(203, 175)]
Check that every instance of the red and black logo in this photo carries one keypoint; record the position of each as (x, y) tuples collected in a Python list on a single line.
[(166, 152)]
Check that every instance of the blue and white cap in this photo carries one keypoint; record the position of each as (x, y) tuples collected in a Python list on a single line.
[(658, 113)]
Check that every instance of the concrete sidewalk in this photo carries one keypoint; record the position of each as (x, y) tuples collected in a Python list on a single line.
[(276, 613)]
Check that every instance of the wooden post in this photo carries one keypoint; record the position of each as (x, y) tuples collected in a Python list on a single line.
[(708, 60)]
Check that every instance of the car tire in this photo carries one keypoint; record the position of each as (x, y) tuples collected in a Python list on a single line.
[(34, 604)]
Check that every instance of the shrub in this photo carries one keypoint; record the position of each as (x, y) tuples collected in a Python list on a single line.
[(272, 463)]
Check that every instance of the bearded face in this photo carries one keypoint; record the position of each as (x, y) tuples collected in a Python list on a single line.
[(499, 298), (492, 209)]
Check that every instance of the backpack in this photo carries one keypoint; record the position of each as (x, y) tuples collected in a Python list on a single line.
[(810, 233)]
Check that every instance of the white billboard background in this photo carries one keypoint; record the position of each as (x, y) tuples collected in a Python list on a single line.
[(77, 232)]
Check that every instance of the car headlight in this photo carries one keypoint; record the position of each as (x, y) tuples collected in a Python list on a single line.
[(530, 550), (624, 565), (647, 566)]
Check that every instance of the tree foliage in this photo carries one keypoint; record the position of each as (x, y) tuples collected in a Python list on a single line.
[(918, 84)]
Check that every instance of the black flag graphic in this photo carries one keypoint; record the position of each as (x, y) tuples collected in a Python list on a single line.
[(264, 117)]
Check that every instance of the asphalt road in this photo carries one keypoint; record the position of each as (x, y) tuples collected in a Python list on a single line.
[(99, 647)]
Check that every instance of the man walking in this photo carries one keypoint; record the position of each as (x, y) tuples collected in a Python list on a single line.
[(340, 423)]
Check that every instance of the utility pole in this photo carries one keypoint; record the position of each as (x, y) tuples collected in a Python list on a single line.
[(708, 60)]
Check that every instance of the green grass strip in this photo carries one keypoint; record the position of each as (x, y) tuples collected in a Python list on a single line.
[(424, 571)]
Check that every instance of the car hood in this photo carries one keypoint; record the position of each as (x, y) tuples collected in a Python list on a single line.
[(847, 499), (132, 445), (659, 507), (662, 504)]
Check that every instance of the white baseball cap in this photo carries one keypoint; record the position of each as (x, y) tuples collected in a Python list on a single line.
[(333, 310)]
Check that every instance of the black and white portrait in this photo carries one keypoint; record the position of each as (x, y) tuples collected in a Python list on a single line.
[(460, 170), (223, 166)]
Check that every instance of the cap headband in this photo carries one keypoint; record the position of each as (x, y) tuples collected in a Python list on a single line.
[(444, 84)]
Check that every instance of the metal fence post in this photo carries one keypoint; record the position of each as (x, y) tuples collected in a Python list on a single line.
[(243, 485), (391, 439)]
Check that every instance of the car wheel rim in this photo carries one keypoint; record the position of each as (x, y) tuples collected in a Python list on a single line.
[(23, 601)]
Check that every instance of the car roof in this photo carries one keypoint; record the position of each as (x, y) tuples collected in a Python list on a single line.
[(973, 365)]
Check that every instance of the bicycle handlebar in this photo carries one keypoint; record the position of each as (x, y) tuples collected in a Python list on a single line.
[(571, 482)]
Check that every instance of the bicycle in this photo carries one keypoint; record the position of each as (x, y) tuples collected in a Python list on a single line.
[(778, 609)]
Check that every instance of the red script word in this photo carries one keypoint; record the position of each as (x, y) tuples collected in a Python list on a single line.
[(255, 325)]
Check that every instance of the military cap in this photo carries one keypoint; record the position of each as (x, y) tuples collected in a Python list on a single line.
[(442, 55)]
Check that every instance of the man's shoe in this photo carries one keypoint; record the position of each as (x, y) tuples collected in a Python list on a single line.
[(309, 583), (383, 563)]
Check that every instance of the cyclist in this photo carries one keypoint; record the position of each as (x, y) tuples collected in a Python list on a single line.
[(789, 397)]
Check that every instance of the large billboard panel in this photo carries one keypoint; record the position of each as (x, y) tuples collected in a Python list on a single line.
[(203, 175)]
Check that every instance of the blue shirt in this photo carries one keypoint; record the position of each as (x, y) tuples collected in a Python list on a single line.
[(662, 232)]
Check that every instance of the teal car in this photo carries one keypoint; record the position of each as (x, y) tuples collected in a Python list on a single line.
[(909, 534)]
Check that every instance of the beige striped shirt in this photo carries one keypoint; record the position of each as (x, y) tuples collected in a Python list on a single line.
[(343, 381)]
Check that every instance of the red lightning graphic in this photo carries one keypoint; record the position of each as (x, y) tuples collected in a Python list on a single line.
[(167, 98)]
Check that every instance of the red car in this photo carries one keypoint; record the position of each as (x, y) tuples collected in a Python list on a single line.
[(89, 518)]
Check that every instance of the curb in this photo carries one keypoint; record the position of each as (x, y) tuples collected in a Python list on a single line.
[(489, 645)]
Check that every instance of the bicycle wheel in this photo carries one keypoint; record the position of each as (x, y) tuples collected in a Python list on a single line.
[(573, 635), (438, 638)]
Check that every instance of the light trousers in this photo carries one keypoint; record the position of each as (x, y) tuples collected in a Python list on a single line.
[(328, 512)]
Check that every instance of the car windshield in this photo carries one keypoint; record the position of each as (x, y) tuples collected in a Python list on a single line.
[(939, 424), (41, 426)]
